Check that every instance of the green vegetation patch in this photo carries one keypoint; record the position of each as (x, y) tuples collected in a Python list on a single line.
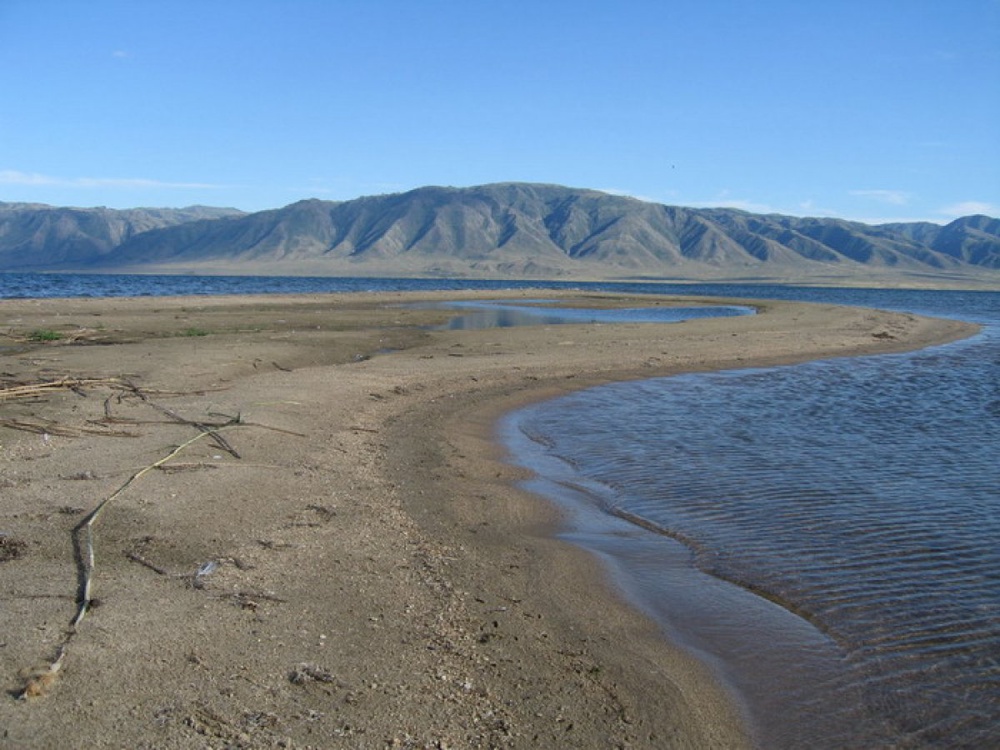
[(44, 334)]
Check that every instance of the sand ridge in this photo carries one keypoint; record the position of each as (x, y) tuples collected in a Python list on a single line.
[(366, 573)]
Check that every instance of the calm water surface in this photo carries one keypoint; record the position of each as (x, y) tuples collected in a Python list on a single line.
[(825, 536), (497, 314)]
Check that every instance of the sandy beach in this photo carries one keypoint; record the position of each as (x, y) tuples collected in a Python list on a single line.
[(310, 537)]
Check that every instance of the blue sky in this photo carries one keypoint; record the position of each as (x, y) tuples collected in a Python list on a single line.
[(874, 110)]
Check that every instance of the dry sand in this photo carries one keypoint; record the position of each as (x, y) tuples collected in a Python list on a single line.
[(370, 574)]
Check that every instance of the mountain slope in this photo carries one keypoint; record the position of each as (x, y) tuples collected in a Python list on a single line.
[(517, 229), (35, 235)]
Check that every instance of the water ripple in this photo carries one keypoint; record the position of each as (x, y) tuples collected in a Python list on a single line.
[(858, 494)]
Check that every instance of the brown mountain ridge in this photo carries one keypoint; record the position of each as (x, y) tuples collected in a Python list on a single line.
[(499, 230)]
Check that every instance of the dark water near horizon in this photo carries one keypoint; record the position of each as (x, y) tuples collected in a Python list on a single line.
[(825, 536), (32, 285)]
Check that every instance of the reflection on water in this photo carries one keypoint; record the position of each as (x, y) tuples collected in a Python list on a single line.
[(858, 497), (491, 314)]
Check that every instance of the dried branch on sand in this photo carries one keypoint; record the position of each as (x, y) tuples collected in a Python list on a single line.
[(35, 390), (38, 681)]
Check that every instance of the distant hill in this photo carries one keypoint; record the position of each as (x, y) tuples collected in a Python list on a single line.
[(501, 230), (36, 236)]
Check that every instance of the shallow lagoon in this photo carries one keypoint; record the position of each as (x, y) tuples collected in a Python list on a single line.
[(478, 315)]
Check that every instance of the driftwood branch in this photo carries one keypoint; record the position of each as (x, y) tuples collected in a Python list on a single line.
[(85, 528), (53, 428), (220, 441), (38, 681), (35, 390)]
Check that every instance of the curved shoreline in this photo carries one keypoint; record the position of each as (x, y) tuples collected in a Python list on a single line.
[(390, 582), (698, 680)]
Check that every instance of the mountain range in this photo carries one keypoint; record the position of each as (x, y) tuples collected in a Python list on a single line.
[(501, 230)]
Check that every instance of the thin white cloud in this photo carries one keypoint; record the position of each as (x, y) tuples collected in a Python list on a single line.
[(10, 177), (876, 220), (968, 208), (805, 208), (742, 205), (749, 206), (139, 183), (33, 179), (628, 194), (808, 207), (724, 199), (892, 197), (120, 54)]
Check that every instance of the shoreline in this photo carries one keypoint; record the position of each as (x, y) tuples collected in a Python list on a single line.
[(380, 580)]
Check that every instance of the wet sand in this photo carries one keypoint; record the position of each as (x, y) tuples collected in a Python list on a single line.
[(349, 562)]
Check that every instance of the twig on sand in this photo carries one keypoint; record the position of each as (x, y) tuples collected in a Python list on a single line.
[(206, 429), (38, 681), (35, 390), (119, 385), (86, 527), (136, 557), (52, 428)]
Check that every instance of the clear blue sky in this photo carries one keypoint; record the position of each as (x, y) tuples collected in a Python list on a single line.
[(864, 109)]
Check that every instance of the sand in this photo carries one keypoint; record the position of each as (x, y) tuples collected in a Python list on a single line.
[(366, 573)]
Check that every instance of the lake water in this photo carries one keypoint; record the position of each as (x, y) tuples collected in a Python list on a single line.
[(825, 536), (478, 315)]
